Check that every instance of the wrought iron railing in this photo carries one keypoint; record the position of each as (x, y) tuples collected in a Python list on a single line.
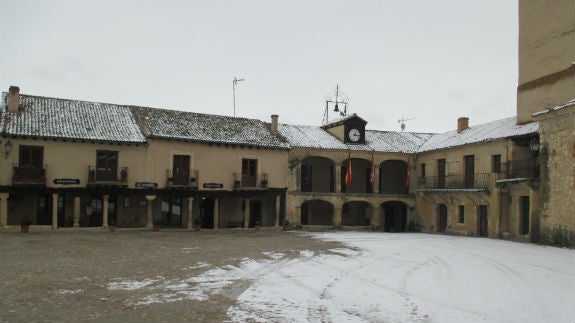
[(469, 181), (110, 175), (523, 168), (251, 181), (29, 175), (183, 178)]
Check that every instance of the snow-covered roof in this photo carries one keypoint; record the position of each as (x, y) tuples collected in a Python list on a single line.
[(504, 128), (566, 105), (180, 125), (341, 120), (70, 119), (379, 141)]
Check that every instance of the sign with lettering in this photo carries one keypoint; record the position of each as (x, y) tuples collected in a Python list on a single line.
[(146, 185), (66, 181), (213, 185)]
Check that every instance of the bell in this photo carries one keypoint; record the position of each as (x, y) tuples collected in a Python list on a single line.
[(336, 109)]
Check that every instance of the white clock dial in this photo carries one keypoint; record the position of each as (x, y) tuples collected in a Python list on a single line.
[(354, 135)]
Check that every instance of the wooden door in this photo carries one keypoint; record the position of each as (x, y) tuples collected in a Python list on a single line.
[(525, 209), (441, 173), (106, 165), (483, 221), (469, 171), (249, 172), (181, 170), (441, 218)]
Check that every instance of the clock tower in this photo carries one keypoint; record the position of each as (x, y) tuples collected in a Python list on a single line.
[(350, 130)]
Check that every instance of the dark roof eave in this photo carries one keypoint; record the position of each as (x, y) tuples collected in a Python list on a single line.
[(215, 142)]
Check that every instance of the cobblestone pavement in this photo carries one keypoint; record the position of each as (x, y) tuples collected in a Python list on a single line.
[(65, 276)]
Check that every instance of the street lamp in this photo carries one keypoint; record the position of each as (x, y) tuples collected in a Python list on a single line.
[(7, 148), (234, 84), (534, 147)]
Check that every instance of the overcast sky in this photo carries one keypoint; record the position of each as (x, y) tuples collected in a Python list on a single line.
[(430, 60)]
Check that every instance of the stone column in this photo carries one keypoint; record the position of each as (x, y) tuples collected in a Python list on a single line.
[(150, 208), (337, 214), (216, 213), (54, 211), (247, 214), (190, 212), (76, 211), (3, 209), (278, 205), (338, 178), (105, 206)]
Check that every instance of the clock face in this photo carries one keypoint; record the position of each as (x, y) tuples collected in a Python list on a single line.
[(354, 135)]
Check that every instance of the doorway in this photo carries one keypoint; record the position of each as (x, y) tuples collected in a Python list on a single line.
[(525, 214), (441, 218), (172, 212), (482, 220), (207, 212)]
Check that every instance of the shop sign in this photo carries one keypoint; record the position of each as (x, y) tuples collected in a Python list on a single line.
[(66, 181), (213, 185), (146, 185)]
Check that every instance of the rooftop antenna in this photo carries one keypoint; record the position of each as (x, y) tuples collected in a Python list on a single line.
[(234, 84), (336, 99), (402, 121)]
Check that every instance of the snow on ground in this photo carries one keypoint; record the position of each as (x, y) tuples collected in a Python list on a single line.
[(382, 277), (416, 278)]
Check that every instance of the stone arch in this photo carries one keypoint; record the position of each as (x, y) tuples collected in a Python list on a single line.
[(361, 170), (317, 212), (392, 177), (317, 175), (394, 216), (356, 213)]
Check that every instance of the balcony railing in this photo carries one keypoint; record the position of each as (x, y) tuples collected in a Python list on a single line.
[(524, 168), (99, 175), (253, 181), (187, 179), (455, 182), (28, 175)]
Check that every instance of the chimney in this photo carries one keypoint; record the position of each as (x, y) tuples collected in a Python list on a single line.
[(274, 124), (462, 124), (13, 98)]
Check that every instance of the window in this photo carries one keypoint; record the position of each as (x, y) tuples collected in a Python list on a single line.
[(422, 173), (496, 163), (106, 165), (31, 156), (461, 214)]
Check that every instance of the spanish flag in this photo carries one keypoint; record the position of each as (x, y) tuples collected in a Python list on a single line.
[(348, 173)]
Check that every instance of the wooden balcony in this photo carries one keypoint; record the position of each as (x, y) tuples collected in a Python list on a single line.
[(29, 175)]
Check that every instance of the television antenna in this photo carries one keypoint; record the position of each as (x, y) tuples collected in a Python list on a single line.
[(402, 121), (234, 84), (336, 99)]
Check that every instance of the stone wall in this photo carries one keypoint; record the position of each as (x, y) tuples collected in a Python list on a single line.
[(557, 136)]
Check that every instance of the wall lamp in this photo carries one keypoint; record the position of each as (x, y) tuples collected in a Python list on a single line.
[(534, 147), (7, 148)]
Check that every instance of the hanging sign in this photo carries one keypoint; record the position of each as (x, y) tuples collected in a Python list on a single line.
[(213, 185), (146, 185), (66, 181)]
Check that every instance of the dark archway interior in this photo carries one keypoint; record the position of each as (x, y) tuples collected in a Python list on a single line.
[(394, 216), (317, 213), (393, 176)]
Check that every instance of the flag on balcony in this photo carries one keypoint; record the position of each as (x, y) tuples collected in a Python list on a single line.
[(407, 176), (348, 173), (372, 174)]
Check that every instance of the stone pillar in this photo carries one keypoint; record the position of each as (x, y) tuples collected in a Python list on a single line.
[(54, 211), (375, 216), (150, 208), (247, 214), (190, 212), (105, 206), (298, 178), (3, 209), (337, 213), (216, 213), (278, 206), (76, 211), (338, 178)]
